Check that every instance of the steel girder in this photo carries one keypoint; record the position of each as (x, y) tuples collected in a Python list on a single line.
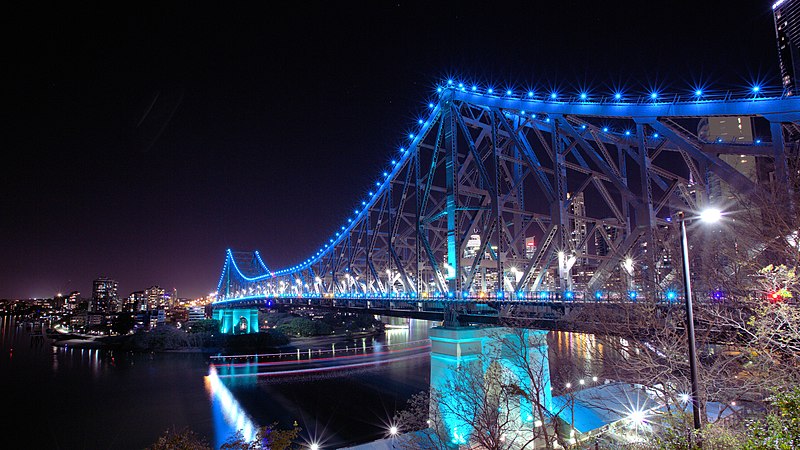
[(590, 183)]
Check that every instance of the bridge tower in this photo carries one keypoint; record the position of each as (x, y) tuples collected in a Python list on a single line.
[(244, 275)]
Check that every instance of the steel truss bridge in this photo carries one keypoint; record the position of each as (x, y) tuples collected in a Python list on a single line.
[(517, 199)]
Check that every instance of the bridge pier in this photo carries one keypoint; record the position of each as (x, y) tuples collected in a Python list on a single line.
[(491, 353), (237, 320)]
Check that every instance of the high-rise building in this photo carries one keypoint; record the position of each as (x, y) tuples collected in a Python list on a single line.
[(530, 246), (611, 232), (156, 297), (104, 296), (787, 31), (577, 209), (136, 302), (728, 130), (73, 301)]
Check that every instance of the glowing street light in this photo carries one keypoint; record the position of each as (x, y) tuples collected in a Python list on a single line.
[(710, 215)]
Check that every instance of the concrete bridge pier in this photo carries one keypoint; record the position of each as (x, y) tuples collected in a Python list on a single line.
[(237, 320), (487, 354)]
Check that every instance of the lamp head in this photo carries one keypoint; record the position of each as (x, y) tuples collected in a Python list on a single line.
[(710, 215)]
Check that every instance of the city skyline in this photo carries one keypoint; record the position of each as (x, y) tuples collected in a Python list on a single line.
[(148, 143)]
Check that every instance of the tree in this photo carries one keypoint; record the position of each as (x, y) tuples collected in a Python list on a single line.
[(780, 429), (747, 320), (205, 326), (184, 439), (414, 416), (268, 437), (124, 323)]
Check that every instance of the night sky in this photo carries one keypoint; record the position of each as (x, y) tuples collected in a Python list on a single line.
[(141, 143)]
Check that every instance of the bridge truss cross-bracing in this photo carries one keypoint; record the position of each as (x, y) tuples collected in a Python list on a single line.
[(503, 200)]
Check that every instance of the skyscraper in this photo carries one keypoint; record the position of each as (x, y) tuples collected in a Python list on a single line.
[(787, 31), (104, 296), (578, 230)]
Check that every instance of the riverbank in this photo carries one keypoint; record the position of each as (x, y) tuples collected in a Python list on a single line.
[(79, 341)]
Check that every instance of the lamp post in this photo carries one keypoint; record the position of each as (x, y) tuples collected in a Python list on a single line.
[(709, 216)]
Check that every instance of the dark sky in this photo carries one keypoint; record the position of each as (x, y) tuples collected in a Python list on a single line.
[(140, 143)]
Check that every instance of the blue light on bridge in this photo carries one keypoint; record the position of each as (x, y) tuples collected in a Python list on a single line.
[(501, 295), (758, 141), (569, 295), (449, 81), (654, 95), (655, 135), (671, 295), (430, 105), (386, 174), (490, 91), (439, 89), (530, 94), (411, 135), (605, 129), (598, 295), (617, 96), (627, 132), (461, 85), (509, 92), (755, 89), (553, 95), (698, 93), (632, 295), (474, 88), (583, 96), (420, 121)]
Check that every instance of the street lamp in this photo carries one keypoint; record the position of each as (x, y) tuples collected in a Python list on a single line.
[(710, 215)]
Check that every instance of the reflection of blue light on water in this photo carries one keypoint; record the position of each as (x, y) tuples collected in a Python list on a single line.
[(228, 414)]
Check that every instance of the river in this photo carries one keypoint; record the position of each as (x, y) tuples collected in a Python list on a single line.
[(63, 398)]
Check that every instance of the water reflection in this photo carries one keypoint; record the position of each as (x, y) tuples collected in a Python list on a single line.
[(352, 405), (229, 416)]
